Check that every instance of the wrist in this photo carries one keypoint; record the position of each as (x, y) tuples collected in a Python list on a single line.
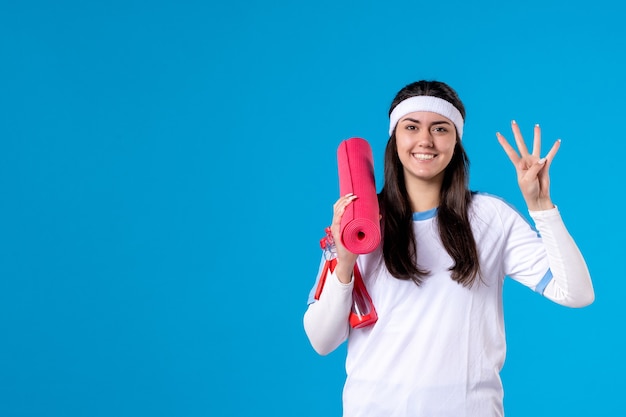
[(344, 274), (540, 205)]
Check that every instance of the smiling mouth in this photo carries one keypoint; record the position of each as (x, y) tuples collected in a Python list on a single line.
[(423, 157)]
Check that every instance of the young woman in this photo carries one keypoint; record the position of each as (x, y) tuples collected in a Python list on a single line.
[(436, 279)]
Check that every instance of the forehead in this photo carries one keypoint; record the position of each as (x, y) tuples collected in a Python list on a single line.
[(426, 116)]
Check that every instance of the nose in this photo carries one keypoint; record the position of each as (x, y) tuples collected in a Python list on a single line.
[(425, 139)]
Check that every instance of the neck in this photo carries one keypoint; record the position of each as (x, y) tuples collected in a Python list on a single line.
[(423, 196)]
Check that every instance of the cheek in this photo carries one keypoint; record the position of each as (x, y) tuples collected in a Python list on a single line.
[(401, 140), (401, 145), (448, 145)]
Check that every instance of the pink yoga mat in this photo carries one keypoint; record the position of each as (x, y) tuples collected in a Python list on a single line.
[(360, 225)]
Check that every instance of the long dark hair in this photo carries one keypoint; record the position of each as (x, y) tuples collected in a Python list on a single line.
[(399, 247)]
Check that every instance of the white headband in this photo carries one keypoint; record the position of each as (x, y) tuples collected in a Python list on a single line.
[(426, 103)]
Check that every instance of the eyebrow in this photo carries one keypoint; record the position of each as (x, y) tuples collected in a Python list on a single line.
[(439, 122)]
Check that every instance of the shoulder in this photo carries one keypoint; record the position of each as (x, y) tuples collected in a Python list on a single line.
[(492, 209), (485, 202), (489, 209)]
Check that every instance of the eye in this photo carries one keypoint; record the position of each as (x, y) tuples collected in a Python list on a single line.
[(410, 127), (440, 129)]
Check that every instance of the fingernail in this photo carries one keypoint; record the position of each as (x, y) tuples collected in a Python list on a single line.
[(542, 161), (537, 125), (513, 122)]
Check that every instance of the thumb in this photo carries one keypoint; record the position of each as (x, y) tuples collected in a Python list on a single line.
[(534, 169)]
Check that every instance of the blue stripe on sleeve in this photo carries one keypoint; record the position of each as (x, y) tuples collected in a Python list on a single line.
[(312, 299), (541, 287)]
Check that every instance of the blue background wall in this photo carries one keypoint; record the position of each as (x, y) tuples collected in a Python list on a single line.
[(167, 169)]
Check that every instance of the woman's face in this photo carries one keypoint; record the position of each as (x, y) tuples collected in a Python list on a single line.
[(425, 143)]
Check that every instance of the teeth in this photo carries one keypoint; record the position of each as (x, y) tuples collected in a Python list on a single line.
[(423, 157)]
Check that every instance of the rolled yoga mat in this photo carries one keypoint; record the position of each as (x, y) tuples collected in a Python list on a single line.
[(360, 225)]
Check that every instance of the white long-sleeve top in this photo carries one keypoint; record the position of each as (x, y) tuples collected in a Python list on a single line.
[(437, 349)]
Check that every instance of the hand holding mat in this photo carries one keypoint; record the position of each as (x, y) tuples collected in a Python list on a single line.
[(360, 225)]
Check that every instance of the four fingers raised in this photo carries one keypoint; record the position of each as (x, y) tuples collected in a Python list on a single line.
[(523, 154)]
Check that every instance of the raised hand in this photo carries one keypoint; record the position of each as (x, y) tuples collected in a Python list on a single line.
[(532, 170)]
